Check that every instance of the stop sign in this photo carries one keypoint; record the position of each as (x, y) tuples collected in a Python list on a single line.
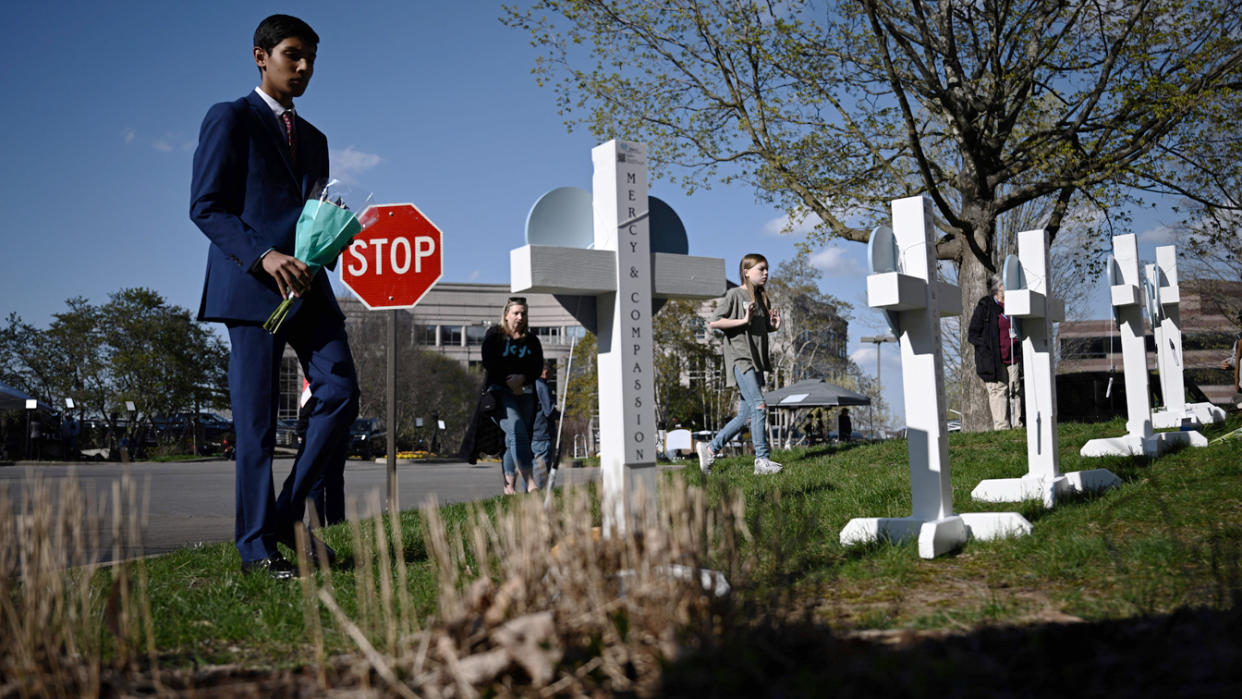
[(395, 260)]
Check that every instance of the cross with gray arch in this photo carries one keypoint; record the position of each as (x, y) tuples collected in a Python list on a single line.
[(624, 276)]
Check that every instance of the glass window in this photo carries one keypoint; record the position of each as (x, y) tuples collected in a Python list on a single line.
[(450, 335), (426, 335), (547, 336), (290, 389), (699, 326), (475, 334)]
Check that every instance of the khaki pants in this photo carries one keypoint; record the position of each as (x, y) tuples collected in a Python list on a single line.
[(999, 395)]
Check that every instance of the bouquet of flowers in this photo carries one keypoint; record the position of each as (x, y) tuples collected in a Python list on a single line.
[(325, 228)]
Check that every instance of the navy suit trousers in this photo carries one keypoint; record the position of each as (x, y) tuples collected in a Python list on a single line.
[(318, 337)]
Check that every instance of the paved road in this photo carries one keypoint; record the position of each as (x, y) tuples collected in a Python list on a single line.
[(190, 503)]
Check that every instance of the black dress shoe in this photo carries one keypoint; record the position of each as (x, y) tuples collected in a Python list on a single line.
[(276, 567), (313, 554)]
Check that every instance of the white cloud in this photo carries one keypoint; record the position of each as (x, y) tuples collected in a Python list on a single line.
[(128, 135), (784, 225), (1160, 235), (864, 356), (835, 262), (163, 146), (474, 275), (352, 162)]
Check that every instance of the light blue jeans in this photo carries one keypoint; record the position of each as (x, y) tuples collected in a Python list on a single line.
[(752, 409), (519, 412), (542, 449)]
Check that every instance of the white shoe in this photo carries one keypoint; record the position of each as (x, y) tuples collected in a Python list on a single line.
[(766, 467), (706, 457)]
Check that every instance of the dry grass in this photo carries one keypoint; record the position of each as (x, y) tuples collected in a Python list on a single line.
[(529, 600), (539, 601), (66, 620)]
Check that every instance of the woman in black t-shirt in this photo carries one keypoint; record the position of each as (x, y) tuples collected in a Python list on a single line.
[(512, 360)]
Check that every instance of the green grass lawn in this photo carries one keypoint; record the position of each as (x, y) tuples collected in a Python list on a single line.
[(1167, 539)]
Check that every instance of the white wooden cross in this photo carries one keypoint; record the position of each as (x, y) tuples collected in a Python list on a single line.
[(1140, 438), (1164, 308), (624, 276), (903, 284), (1029, 299)]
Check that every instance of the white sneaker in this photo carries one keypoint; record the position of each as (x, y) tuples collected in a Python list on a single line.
[(706, 457), (766, 467)]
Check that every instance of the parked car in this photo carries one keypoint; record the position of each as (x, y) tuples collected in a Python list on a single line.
[(367, 438), (213, 429), (287, 433)]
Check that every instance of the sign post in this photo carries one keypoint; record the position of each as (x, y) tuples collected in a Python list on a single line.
[(397, 258)]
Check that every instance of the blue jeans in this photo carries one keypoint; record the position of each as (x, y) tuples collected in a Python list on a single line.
[(542, 449), (519, 413), (752, 409)]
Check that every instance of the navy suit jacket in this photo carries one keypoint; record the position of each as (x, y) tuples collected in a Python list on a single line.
[(246, 196)]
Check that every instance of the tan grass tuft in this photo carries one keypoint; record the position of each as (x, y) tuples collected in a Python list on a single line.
[(531, 599)]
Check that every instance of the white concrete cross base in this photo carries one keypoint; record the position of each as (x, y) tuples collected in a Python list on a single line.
[(1043, 489), (1137, 445), (938, 536), (903, 284), (1192, 415)]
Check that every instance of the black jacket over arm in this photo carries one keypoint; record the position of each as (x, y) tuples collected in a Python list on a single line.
[(984, 334)]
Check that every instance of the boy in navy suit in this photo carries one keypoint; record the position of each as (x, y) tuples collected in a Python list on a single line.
[(256, 164)]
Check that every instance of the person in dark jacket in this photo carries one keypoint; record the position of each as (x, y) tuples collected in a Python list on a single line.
[(845, 426), (544, 430), (512, 359), (998, 355), (1234, 361)]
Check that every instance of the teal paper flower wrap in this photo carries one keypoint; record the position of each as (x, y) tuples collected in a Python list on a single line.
[(323, 230)]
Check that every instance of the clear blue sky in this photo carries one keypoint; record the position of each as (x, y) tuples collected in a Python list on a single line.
[(429, 102)]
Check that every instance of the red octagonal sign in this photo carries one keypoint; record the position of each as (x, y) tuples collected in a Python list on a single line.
[(396, 259)]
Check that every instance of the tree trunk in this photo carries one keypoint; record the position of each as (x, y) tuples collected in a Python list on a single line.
[(972, 279)]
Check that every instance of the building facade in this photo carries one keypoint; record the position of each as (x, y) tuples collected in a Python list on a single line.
[(1090, 350), (453, 318)]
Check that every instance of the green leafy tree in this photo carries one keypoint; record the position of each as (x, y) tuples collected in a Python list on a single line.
[(1209, 239), (24, 361), (158, 356), (677, 329), (832, 109), (429, 385), (812, 340), (136, 348)]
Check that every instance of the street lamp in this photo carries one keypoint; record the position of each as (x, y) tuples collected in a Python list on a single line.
[(877, 340), (32, 404)]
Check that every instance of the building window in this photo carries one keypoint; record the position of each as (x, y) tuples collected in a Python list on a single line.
[(699, 326), (475, 334), (426, 335), (450, 335), (290, 389), (548, 336)]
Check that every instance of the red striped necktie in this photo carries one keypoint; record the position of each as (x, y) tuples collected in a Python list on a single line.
[(287, 117)]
